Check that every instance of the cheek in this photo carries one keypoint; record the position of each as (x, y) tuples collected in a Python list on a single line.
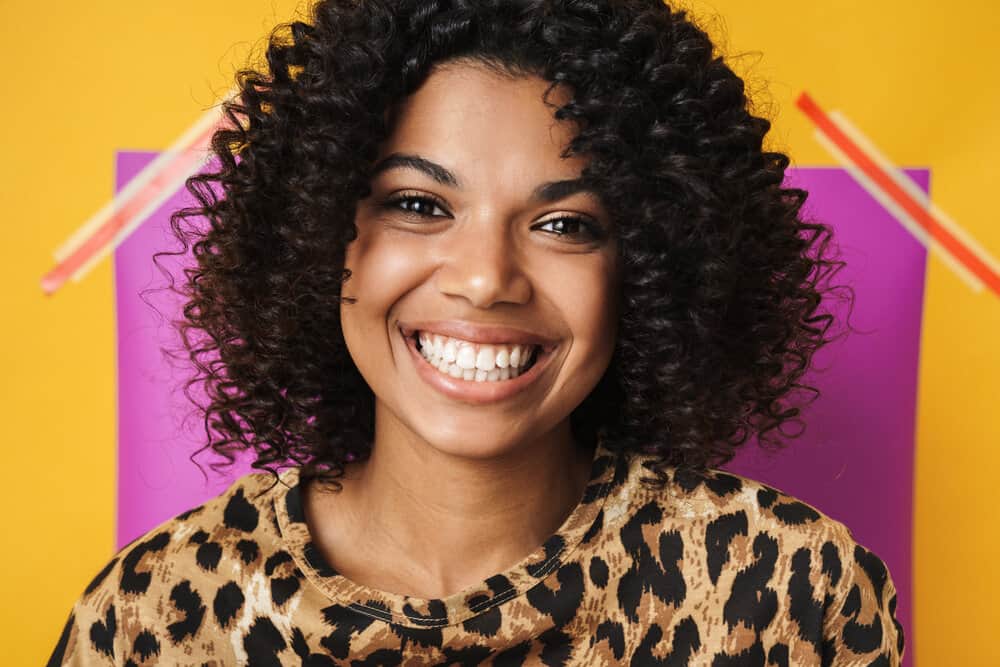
[(591, 307), (383, 269)]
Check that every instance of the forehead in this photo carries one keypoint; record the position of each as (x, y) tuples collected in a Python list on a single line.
[(485, 126)]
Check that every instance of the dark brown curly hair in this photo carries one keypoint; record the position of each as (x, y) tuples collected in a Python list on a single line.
[(720, 292)]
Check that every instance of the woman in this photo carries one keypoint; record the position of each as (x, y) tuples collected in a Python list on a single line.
[(496, 285)]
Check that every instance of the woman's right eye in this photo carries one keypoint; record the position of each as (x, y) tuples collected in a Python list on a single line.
[(420, 205)]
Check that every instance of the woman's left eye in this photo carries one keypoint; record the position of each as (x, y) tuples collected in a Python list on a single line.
[(571, 227)]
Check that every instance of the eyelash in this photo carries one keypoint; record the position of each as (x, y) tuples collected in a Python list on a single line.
[(593, 230)]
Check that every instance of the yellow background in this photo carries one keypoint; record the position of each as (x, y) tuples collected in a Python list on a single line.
[(82, 80)]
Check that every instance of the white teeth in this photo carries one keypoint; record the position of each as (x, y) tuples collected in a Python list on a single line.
[(466, 357), (474, 362), (485, 358)]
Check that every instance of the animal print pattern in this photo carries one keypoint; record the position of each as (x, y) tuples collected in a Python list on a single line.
[(713, 569)]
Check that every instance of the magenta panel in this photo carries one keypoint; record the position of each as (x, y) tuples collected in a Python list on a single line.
[(157, 429), (855, 461)]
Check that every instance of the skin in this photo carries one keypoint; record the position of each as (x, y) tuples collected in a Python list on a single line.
[(455, 492)]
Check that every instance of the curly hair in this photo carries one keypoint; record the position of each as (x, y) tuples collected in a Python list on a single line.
[(720, 290)]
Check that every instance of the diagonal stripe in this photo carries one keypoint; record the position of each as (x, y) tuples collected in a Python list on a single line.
[(122, 215), (911, 189), (897, 212), (954, 246)]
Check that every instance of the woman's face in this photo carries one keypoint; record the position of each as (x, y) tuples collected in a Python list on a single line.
[(466, 250)]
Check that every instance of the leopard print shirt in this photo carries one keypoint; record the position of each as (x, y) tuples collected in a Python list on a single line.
[(712, 569)]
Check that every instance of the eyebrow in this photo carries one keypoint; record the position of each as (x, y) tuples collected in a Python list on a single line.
[(546, 192), (406, 161)]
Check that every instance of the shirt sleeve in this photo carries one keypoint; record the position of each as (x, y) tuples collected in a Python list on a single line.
[(91, 635), (860, 624)]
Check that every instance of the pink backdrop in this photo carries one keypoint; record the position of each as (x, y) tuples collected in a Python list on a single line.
[(855, 461)]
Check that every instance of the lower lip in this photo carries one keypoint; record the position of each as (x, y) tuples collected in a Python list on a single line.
[(470, 391)]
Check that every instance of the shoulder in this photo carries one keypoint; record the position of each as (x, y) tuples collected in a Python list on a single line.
[(735, 524), (724, 501), (242, 515), (175, 569), (754, 543)]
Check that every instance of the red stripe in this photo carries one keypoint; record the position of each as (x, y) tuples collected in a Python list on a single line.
[(176, 167), (914, 208)]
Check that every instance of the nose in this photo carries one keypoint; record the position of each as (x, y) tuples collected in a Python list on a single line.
[(481, 265)]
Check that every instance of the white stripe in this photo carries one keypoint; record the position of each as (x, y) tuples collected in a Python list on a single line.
[(136, 221), (899, 177), (904, 218), (140, 181)]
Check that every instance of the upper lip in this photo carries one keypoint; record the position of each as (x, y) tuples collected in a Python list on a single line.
[(478, 333)]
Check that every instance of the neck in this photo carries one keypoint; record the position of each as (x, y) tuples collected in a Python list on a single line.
[(448, 521)]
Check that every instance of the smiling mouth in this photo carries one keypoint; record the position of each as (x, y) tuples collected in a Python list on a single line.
[(475, 362)]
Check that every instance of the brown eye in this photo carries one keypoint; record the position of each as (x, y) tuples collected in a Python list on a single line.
[(572, 227), (416, 205)]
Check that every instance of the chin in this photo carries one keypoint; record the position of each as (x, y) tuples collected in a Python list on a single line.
[(472, 443)]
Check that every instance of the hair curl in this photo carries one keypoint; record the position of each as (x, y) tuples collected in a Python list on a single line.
[(720, 290)]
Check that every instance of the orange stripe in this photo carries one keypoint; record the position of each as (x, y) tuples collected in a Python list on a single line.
[(104, 235), (915, 209)]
